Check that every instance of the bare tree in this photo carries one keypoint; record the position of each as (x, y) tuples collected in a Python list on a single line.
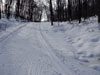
[(85, 8), (99, 11), (80, 11), (0, 8), (69, 10), (17, 13), (8, 7), (51, 12)]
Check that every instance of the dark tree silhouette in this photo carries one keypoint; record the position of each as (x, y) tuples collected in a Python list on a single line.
[(80, 11), (51, 12), (17, 13), (0, 7), (85, 8), (69, 10), (99, 11), (31, 10), (8, 6), (60, 10)]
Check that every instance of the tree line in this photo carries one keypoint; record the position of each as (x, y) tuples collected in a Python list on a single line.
[(21, 9), (76, 10), (60, 10)]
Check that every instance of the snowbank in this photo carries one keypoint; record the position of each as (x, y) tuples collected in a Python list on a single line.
[(82, 40)]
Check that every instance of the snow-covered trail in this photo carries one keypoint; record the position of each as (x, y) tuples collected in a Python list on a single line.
[(27, 51)]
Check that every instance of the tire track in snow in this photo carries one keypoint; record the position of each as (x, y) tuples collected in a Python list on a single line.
[(29, 63), (44, 65), (40, 65), (33, 68), (36, 66), (58, 64)]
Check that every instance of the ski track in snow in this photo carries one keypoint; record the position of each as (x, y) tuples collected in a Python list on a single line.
[(30, 53)]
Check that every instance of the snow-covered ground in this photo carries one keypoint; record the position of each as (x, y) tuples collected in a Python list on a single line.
[(83, 40), (42, 49)]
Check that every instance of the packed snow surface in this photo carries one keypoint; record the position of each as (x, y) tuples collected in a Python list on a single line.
[(42, 49)]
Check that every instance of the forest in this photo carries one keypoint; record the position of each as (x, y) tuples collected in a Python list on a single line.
[(60, 10)]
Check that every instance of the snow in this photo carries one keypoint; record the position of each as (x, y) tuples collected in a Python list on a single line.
[(83, 40), (41, 49)]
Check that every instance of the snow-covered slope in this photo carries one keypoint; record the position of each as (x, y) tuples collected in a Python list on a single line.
[(82, 39), (40, 49)]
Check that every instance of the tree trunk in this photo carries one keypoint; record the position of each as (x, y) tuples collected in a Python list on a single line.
[(51, 12), (80, 11), (0, 11), (0, 8), (8, 4), (85, 8), (69, 10), (17, 9), (99, 11)]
